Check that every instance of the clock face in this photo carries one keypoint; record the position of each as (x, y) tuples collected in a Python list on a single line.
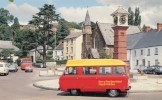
[(122, 19)]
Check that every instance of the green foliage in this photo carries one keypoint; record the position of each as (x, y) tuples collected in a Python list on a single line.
[(103, 55), (143, 28), (134, 18), (6, 53), (15, 26), (59, 62), (5, 16), (39, 61), (43, 20), (11, 0), (62, 29)]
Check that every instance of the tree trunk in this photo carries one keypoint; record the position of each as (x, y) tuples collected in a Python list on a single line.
[(44, 54)]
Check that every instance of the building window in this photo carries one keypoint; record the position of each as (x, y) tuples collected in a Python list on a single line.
[(71, 41), (137, 62), (62, 53), (67, 42), (156, 51), (143, 62), (56, 52), (148, 53), (156, 62), (67, 57), (141, 52), (71, 49), (134, 52), (148, 63), (66, 49), (71, 57)]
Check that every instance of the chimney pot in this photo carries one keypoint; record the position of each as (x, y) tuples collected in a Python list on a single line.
[(159, 26), (147, 28)]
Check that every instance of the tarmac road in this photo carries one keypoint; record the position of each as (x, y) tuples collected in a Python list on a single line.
[(19, 86)]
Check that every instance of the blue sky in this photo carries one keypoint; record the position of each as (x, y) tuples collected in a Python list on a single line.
[(75, 10)]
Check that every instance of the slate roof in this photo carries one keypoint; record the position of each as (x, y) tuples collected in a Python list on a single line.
[(120, 10), (41, 48), (108, 33), (149, 39), (73, 35), (59, 47), (7, 45)]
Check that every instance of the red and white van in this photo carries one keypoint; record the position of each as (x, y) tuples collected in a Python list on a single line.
[(26, 62), (95, 75)]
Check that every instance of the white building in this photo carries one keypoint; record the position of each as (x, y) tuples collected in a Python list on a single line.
[(145, 48), (58, 52), (73, 46)]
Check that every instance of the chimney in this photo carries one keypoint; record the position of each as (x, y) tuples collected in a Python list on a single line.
[(159, 26), (147, 28), (60, 41)]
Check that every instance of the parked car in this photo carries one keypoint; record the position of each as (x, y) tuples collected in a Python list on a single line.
[(3, 69), (13, 67), (149, 70), (28, 69), (158, 70), (141, 69)]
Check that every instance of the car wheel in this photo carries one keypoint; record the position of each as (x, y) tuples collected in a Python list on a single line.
[(74, 92), (124, 94), (113, 93)]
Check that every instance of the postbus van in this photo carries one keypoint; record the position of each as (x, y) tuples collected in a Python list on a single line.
[(26, 62), (95, 75)]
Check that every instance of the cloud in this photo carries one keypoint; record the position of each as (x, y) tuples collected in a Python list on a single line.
[(24, 12), (149, 9), (97, 13)]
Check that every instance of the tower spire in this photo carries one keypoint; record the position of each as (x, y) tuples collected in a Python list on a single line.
[(87, 19)]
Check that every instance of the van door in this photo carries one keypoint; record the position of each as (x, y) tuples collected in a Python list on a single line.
[(88, 79)]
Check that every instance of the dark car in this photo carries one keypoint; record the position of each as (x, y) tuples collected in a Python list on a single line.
[(149, 70), (158, 70), (13, 67)]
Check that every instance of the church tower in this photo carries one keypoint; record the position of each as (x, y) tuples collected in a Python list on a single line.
[(120, 17), (87, 36)]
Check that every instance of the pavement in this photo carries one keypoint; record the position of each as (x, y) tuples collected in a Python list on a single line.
[(139, 83)]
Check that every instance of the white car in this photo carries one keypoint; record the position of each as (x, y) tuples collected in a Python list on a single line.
[(4, 69)]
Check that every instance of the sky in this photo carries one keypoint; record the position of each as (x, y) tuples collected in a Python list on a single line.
[(75, 10)]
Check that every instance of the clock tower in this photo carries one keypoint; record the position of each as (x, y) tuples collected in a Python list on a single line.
[(120, 17)]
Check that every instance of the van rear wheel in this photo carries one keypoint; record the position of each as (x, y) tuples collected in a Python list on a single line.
[(74, 92), (113, 93)]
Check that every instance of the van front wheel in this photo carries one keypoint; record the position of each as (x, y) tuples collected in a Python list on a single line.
[(74, 92), (113, 93)]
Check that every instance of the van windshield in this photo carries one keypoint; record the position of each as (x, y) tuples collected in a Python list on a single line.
[(119, 70)]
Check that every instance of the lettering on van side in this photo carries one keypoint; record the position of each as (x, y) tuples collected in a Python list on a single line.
[(109, 82)]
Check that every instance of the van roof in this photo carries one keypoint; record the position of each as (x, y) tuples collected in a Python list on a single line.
[(95, 62)]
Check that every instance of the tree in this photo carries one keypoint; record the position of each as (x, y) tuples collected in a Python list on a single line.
[(5, 18), (6, 53), (11, 0), (134, 18), (16, 25), (103, 54), (130, 16), (43, 20), (62, 29), (25, 40)]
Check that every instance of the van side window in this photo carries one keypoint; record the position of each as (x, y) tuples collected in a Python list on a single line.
[(105, 70), (71, 71), (89, 70), (119, 70)]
